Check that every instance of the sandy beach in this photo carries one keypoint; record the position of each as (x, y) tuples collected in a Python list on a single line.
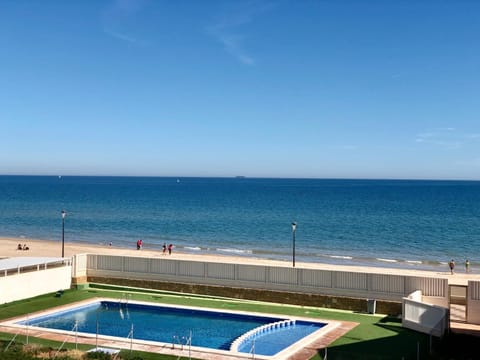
[(50, 248)]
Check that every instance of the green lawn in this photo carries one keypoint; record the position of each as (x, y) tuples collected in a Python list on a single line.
[(376, 337)]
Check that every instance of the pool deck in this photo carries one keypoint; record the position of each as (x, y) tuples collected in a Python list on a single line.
[(313, 348), (304, 349)]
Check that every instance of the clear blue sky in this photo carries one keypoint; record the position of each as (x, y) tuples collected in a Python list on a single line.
[(322, 89)]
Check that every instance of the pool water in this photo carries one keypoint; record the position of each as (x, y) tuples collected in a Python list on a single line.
[(204, 328), (271, 342)]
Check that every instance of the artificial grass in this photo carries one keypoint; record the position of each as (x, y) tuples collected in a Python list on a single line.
[(5, 339), (375, 337)]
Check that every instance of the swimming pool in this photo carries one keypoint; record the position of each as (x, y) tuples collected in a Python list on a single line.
[(236, 332)]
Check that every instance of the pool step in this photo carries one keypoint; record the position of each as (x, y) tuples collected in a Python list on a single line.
[(252, 334)]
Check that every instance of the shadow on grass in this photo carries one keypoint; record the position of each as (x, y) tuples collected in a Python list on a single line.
[(402, 344), (391, 319)]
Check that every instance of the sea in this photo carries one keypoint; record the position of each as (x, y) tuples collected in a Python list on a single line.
[(414, 224)]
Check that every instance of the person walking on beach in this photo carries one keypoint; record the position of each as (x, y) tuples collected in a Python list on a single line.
[(467, 266), (170, 246), (451, 265), (139, 244), (164, 248)]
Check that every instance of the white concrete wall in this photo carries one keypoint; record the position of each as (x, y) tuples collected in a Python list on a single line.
[(423, 317), (325, 282), (416, 296), (34, 283), (438, 301)]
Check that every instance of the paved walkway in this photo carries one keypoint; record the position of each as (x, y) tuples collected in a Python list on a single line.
[(464, 328), (458, 324)]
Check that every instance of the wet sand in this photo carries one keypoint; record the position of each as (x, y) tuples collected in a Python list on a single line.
[(47, 248)]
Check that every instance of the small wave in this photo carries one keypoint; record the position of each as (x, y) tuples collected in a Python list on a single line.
[(237, 251), (413, 261), (387, 260), (196, 248), (341, 257)]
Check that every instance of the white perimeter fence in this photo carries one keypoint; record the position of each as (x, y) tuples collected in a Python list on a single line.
[(473, 302), (311, 281)]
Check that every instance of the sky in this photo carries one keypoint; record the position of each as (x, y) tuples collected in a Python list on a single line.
[(296, 89)]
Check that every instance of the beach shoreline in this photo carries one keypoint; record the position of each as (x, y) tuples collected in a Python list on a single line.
[(355, 223), (51, 248)]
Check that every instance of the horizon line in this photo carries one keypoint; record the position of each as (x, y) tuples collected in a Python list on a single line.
[(244, 177)]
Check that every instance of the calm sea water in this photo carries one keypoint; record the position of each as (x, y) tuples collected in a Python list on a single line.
[(395, 223)]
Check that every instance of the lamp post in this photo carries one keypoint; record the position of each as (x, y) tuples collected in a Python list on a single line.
[(294, 227), (63, 232)]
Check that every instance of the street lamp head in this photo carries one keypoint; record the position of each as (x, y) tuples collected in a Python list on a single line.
[(294, 226), (63, 214)]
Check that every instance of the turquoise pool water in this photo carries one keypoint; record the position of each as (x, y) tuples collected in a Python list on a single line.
[(202, 328)]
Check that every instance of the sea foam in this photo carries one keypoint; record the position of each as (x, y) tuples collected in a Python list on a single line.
[(236, 251)]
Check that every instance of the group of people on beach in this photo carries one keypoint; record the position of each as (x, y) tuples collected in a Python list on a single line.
[(451, 265), (170, 247), (165, 247), (24, 247)]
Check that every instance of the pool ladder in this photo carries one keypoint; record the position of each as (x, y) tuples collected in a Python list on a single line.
[(188, 343), (126, 306), (252, 334)]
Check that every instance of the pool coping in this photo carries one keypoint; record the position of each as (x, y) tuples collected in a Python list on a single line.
[(303, 349)]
